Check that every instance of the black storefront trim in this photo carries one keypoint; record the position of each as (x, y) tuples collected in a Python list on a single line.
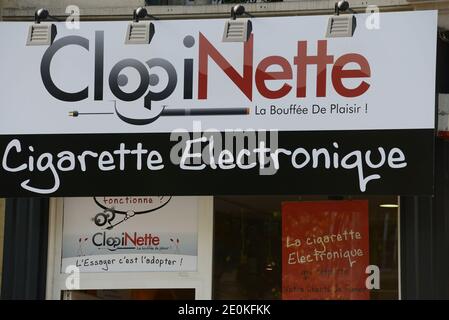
[(425, 220)]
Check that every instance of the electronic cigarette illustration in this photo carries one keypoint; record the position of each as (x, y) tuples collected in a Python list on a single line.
[(172, 112)]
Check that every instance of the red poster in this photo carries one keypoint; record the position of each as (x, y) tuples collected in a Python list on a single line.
[(325, 250)]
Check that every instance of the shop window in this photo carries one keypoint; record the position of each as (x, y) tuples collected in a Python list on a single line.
[(250, 236)]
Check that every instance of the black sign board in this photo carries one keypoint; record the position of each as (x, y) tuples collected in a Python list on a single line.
[(383, 162)]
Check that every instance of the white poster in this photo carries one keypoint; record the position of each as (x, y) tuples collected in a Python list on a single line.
[(138, 233)]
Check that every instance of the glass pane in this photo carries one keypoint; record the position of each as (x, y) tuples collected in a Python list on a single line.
[(248, 244)]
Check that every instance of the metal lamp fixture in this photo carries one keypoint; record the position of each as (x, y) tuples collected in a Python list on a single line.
[(237, 30), (41, 33), (139, 32), (341, 25)]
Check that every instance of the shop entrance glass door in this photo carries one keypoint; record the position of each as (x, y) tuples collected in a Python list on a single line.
[(176, 265)]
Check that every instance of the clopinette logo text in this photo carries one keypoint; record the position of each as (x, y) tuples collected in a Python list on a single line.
[(255, 75)]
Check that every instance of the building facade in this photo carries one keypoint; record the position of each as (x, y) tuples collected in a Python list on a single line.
[(243, 241)]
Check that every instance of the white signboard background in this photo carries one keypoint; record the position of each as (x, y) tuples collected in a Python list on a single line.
[(401, 54), (177, 220)]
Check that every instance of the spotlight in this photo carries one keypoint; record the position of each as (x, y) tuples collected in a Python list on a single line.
[(237, 10), (341, 6), (41, 33), (341, 25), (40, 14), (139, 32), (237, 30)]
